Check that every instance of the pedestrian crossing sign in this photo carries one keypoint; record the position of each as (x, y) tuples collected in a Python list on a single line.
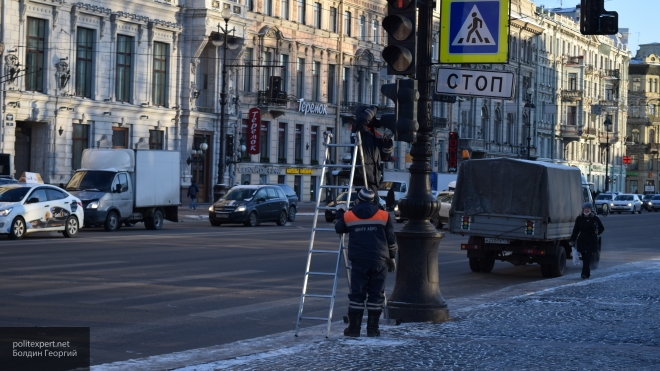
[(474, 31)]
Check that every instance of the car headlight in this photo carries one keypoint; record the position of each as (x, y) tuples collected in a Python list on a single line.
[(240, 208), (611, 204), (6, 212), (93, 205), (212, 208), (396, 207), (629, 204)]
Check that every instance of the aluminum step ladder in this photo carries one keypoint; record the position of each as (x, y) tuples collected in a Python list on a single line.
[(341, 251)]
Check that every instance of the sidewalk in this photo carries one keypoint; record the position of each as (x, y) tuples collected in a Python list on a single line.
[(608, 322)]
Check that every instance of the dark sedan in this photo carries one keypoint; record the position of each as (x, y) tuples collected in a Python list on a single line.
[(251, 205)]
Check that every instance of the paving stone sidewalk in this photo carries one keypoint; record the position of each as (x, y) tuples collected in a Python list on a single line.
[(609, 322)]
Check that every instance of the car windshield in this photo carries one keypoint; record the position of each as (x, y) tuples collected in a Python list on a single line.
[(342, 197), (648, 197), (604, 197), (624, 198), (240, 194), (13, 194), (385, 186), (91, 180)]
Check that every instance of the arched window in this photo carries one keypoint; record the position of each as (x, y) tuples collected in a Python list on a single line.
[(635, 136), (651, 136)]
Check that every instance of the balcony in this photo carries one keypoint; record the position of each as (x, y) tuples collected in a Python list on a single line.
[(439, 122), (589, 133), (611, 74), (571, 132), (612, 102), (588, 69), (276, 106), (654, 148), (574, 60), (571, 95)]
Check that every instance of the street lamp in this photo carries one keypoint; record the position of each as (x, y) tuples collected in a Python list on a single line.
[(197, 158), (221, 38), (608, 130)]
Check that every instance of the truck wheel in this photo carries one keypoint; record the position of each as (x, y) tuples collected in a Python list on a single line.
[(486, 265), (474, 265), (546, 270), (558, 267), (281, 221), (17, 229), (71, 227), (155, 222), (112, 222)]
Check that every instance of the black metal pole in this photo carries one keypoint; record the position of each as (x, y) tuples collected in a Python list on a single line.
[(416, 296), (607, 160), (220, 187)]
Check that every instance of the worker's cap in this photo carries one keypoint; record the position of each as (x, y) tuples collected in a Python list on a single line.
[(366, 194)]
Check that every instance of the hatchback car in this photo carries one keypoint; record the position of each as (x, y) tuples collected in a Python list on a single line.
[(251, 205), (331, 211), (603, 199), (626, 203), (655, 203), (26, 208), (293, 200)]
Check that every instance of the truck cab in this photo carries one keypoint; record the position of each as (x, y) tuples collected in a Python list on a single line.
[(103, 192)]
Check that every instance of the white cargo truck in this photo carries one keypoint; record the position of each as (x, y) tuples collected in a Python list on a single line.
[(124, 186)]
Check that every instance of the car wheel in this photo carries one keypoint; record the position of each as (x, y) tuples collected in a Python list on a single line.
[(215, 224), (155, 222), (17, 229), (112, 222), (292, 214), (281, 221), (71, 227), (252, 221)]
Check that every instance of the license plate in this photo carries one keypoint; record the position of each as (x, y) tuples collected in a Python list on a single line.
[(497, 241), (222, 216)]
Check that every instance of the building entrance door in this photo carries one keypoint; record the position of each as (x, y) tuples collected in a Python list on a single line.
[(23, 153)]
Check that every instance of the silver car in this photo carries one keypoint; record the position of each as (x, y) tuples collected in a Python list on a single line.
[(626, 202), (655, 203)]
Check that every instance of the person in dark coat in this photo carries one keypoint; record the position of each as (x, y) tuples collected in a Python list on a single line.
[(192, 193), (376, 148), (371, 250), (585, 234), (390, 199)]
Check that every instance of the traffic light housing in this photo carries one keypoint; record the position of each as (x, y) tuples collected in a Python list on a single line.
[(595, 20), (403, 122), (401, 27), (229, 146)]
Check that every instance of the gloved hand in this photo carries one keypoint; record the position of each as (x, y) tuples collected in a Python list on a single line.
[(340, 214), (391, 265)]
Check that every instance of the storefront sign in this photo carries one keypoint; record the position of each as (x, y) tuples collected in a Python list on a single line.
[(254, 124), (295, 170), (649, 188), (317, 108), (453, 152), (631, 173), (259, 170)]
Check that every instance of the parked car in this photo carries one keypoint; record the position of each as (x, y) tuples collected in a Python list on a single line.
[(603, 199), (439, 220), (26, 208), (293, 200), (655, 203), (331, 211), (626, 203), (251, 205), (646, 202)]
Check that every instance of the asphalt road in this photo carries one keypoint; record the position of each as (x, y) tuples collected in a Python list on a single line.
[(191, 286)]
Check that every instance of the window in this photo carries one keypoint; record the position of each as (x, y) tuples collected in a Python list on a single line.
[(244, 135), (633, 186), (300, 78), (263, 142), (374, 88), (267, 58), (35, 54), (156, 139), (281, 143), (316, 81), (301, 11), (363, 27), (571, 115), (297, 146), (347, 23), (333, 20), (333, 150), (360, 87), (317, 15), (159, 94), (80, 143), (119, 137), (345, 90), (55, 194), (268, 7), (331, 83), (124, 71), (374, 31), (572, 81), (247, 71), (314, 145), (84, 53), (284, 61), (284, 10)]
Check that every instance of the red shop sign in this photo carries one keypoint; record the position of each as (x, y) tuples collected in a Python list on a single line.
[(254, 125), (453, 152)]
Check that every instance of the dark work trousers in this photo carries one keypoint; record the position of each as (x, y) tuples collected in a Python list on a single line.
[(367, 283), (586, 262)]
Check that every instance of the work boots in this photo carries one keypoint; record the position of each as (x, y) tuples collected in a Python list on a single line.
[(354, 324), (372, 323)]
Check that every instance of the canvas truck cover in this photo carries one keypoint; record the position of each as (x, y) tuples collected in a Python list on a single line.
[(519, 188)]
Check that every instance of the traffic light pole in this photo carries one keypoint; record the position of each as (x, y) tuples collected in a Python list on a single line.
[(416, 296)]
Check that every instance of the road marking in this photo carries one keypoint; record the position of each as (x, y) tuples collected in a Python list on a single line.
[(108, 286), (64, 266)]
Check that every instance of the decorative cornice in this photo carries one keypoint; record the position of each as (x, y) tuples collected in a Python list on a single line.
[(93, 9)]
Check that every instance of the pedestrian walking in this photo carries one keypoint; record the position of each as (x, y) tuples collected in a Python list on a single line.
[(585, 234), (192, 193), (389, 199), (371, 250)]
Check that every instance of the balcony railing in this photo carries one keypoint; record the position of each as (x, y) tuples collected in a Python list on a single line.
[(572, 94), (589, 69), (654, 147), (264, 99), (589, 132), (575, 60), (613, 74), (571, 131), (348, 108)]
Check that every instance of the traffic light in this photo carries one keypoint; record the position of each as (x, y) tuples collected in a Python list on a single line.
[(229, 146), (595, 20), (403, 122), (401, 27)]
